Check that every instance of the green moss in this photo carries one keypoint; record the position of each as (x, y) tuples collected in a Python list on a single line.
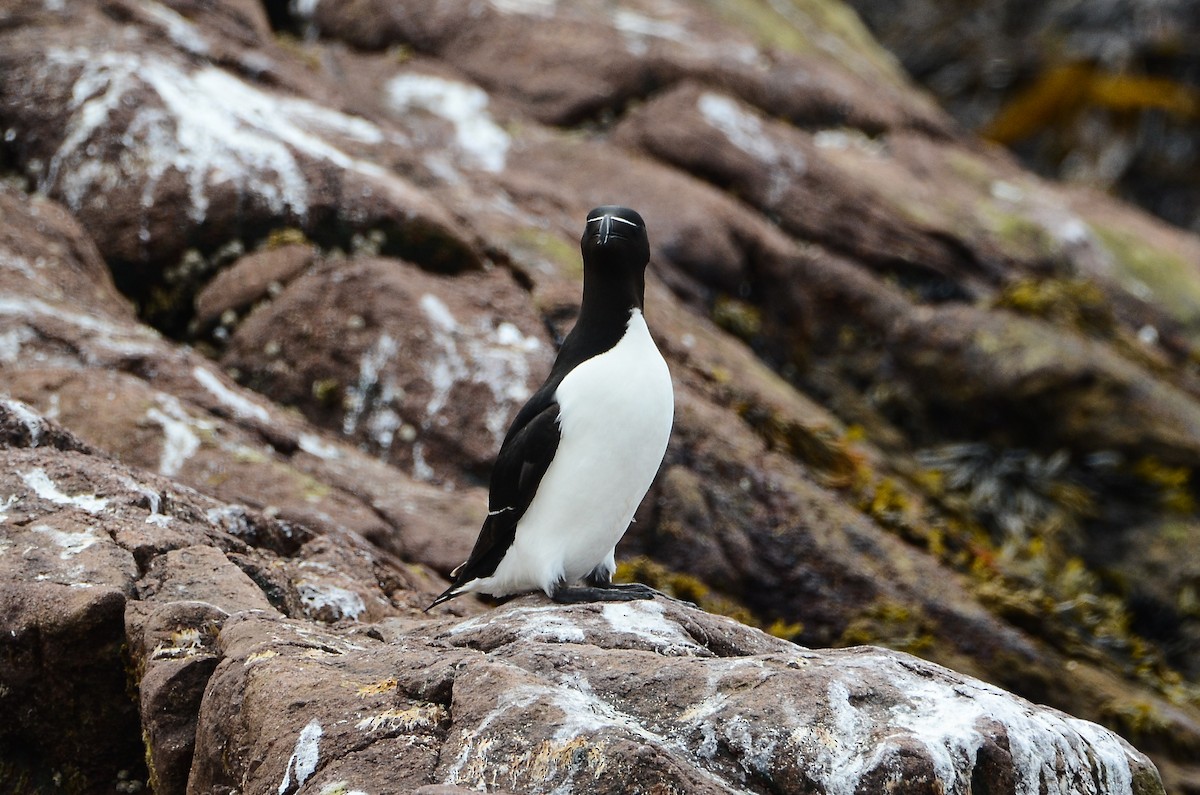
[(1072, 303), (327, 392), (684, 586), (739, 318), (288, 236), (891, 624), (1020, 236), (1142, 267), (535, 243), (812, 26)]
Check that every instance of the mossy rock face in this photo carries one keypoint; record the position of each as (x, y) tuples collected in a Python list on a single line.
[(893, 625), (806, 27), (541, 244), (1157, 275), (1076, 304)]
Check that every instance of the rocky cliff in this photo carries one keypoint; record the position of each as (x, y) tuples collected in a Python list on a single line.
[(275, 277)]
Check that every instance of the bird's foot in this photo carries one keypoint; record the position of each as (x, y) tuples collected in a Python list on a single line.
[(611, 593), (636, 588)]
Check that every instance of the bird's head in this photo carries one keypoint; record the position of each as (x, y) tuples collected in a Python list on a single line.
[(615, 235)]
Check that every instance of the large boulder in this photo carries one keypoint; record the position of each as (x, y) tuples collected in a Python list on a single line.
[(632, 697)]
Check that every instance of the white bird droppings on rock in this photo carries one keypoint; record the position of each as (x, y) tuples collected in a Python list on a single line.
[(645, 620), (464, 106), (207, 125), (70, 543), (746, 131), (304, 759), (180, 441), (315, 445), (334, 602), (240, 405), (47, 489), (28, 417)]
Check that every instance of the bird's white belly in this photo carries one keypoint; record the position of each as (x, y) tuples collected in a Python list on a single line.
[(615, 419)]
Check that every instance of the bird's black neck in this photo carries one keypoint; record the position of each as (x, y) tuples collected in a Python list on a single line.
[(611, 296), (608, 301)]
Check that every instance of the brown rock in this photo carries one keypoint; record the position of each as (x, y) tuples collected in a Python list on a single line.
[(24, 427), (424, 370), (172, 645), (70, 721), (788, 175), (252, 161), (562, 68), (626, 697), (131, 393), (204, 574), (136, 562), (252, 278)]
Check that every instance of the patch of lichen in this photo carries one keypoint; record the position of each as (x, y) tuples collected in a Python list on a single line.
[(540, 244), (1133, 718), (1081, 306), (1020, 236), (299, 49), (894, 625), (1029, 578), (1016, 550), (807, 27), (1172, 483), (327, 392), (691, 589), (1063, 602), (152, 776), (830, 454), (285, 236), (1142, 267), (909, 506), (740, 318), (1072, 303)]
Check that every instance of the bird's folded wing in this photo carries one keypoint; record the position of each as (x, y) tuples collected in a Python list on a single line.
[(523, 460)]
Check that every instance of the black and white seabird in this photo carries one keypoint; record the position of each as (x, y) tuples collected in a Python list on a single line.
[(581, 454)]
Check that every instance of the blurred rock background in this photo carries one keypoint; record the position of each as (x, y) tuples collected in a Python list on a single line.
[(287, 269), (1105, 94)]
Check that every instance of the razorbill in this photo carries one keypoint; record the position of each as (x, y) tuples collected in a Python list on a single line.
[(581, 454)]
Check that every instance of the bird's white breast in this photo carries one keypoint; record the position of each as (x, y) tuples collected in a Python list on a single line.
[(615, 419)]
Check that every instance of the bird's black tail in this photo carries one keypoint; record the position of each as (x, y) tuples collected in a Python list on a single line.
[(448, 594)]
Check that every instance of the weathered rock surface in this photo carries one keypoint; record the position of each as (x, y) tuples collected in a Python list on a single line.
[(265, 658), (925, 399), (641, 697)]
